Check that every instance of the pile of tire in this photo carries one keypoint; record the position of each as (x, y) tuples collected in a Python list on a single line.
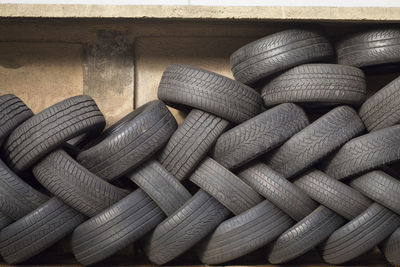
[(269, 178)]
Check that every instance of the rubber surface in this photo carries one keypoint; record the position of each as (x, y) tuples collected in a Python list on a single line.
[(391, 248), (258, 135), (13, 112), (333, 194), (115, 228), (226, 187), (278, 52), (186, 227), (316, 141), (183, 86), (382, 109), (360, 235), (130, 141), (75, 185), (274, 187), (4, 220), (317, 83), (370, 47), (244, 233), (190, 143), (305, 235), (37, 231), (364, 153), (161, 186), (49, 129)]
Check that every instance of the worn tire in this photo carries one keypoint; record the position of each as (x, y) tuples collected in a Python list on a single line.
[(115, 228), (161, 186), (370, 47), (316, 141), (13, 112), (17, 198), (379, 187), (360, 235), (183, 86), (37, 231), (183, 229), (226, 187), (365, 153), (333, 194), (49, 129), (244, 233), (274, 187), (317, 84), (130, 141), (277, 52), (190, 143), (391, 248), (383, 108), (258, 135), (305, 235), (4, 220), (75, 185)]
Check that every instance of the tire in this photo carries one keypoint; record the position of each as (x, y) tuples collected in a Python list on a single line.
[(75, 185), (244, 233), (258, 135), (224, 186), (305, 235), (379, 187), (161, 186), (369, 48), (277, 52), (42, 133), (130, 141), (316, 141), (190, 143), (317, 84), (37, 231), (183, 229), (115, 228), (382, 109), (365, 153), (360, 235), (333, 194), (17, 198), (4, 220), (391, 248), (274, 187), (183, 86), (13, 112)]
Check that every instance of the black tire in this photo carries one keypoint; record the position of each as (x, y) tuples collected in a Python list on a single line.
[(75, 185), (190, 143), (4, 220), (13, 112), (383, 108), (115, 228), (17, 198), (161, 186), (130, 141), (365, 153), (305, 235), (49, 129), (316, 141), (258, 135), (333, 194), (369, 48), (317, 84), (379, 187), (277, 52), (360, 235), (226, 187), (183, 229), (391, 248), (274, 187), (244, 233), (183, 86), (37, 231)]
